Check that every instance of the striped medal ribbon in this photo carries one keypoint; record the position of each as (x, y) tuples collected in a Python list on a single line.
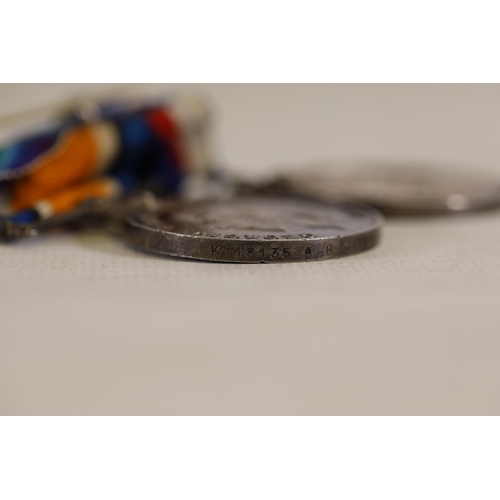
[(85, 159)]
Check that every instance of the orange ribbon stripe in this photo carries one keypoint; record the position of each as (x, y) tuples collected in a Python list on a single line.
[(73, 160)]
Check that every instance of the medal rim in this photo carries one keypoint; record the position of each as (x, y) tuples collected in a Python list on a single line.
[(151, 238)]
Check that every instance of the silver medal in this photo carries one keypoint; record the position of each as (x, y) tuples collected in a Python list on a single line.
[(256, 229), (396, 191)]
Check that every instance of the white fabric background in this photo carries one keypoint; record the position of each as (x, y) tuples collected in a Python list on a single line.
[(90, 326)]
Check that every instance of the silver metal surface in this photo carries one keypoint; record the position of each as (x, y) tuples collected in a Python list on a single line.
[(256, 229), (396, 191)]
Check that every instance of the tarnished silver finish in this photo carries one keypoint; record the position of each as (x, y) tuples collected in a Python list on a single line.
[(395, 191), (256, 229)]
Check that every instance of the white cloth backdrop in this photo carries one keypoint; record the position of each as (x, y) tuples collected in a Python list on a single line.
[(90, 326)]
